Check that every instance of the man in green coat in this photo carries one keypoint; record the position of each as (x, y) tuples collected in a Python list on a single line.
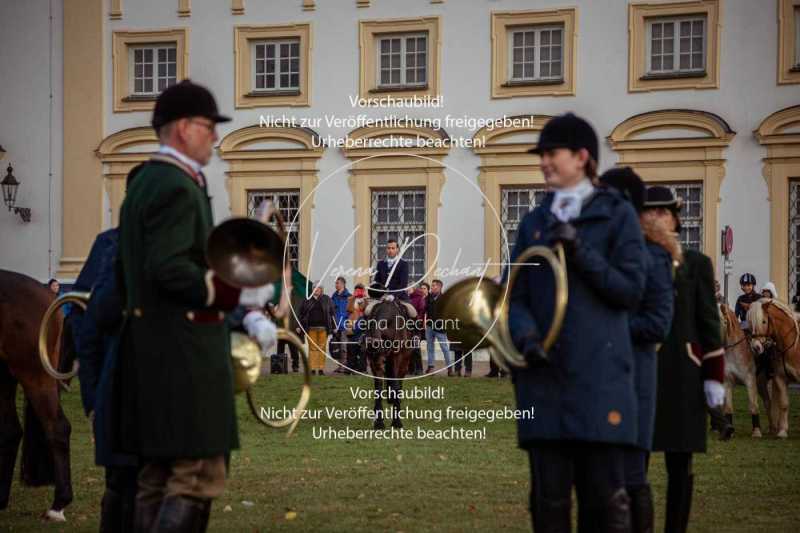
[(691, 366), (176, 399)]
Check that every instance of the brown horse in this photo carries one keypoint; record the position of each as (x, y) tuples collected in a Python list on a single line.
[(740, 366), (773, 321), (388, 348), (45, 446)]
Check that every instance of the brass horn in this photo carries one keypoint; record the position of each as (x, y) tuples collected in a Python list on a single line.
[(78, 298), (480, 309), (248, 253)]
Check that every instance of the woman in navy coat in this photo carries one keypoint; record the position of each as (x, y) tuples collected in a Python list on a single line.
[(583, 393), (649, 324)]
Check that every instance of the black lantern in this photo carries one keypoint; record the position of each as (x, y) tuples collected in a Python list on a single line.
[(10, 186)]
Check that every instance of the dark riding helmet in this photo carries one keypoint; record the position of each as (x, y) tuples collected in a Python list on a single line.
[(568, 131), (747, 279)]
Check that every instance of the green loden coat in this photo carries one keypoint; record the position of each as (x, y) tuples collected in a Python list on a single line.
[(691, 353), (176, 397)]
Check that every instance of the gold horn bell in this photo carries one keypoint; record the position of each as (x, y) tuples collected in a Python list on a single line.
[(479, 308), (78, 298), (245, 252)]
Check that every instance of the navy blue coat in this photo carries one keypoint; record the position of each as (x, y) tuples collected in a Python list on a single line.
[(586, 393), (97, 344), (650, 326), (398, 285)]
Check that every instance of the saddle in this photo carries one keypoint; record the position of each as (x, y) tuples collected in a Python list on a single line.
[(405, 307)]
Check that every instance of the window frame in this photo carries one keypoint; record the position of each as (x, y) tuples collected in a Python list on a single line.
[(404, 84), (402, 227), (640, 75), (155, 48), (537, 29), (254, 44), (677, 71), (504, 24), (370, 32), (246, 37), (123, 44), (292, 224)]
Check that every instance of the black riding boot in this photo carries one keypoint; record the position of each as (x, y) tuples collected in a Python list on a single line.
[(679, 501), (182, 514), (111, 511), (618, 513), (145, 514), (641, 509), (687, 506)]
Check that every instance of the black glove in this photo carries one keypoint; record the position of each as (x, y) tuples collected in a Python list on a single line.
[(566, 234), (535, 354)]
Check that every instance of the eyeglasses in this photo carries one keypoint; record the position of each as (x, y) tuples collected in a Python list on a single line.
[(208, 125)]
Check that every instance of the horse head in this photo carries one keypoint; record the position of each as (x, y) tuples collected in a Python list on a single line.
[(773, 320)]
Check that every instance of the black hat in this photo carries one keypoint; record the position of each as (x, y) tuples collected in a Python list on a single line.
[(628, 183), (747, 278), (567, 131), (182, 100), (660, 196)]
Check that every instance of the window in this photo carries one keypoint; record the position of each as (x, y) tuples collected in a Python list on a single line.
[(533, 53), (399, 58), (154, 69), (674, 45), (272, 65), (794, 238), (277, 65), (400, 215), (515, 202), (691, 214), (687, 57), (145, 63), (288, 203), (402, 61), (536, 54)]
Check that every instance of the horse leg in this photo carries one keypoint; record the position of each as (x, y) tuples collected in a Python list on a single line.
[(394, 385), (10, 432), (782, 401), (774, 406), (378, 372), (46, 406), (752, 398)]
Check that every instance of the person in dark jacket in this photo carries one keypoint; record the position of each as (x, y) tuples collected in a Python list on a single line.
[(748, 296), (316, 319), (96, 345), (583, 390), (339, 346), (434, 329), (691, 366), (417, 298), (391, 274), (649, 326)]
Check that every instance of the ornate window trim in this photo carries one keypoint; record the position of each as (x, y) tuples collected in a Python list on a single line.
[(504, 164), (121, 43), (393, 168), (503, 21), (788, 61), (254, 168), (243, 36), (679, 159), (118, 154), (780, 165), (368, 32), (638, 14)]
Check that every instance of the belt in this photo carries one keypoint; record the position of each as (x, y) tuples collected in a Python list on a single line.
[(199, 316)]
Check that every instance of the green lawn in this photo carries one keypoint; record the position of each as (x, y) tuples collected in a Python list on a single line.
[(303, 484)]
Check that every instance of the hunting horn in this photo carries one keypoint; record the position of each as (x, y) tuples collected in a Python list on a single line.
[(480, 310), (78, 298)]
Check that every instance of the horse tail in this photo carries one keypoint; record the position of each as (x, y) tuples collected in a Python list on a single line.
[(37, 466)]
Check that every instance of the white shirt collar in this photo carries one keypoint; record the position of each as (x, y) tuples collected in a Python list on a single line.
[(567, 202), (185, 159)]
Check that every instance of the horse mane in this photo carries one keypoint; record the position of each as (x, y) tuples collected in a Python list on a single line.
[(757, 309)]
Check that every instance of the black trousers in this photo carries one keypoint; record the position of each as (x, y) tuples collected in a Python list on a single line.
[(467, 361), (596, 470), (293, 350)]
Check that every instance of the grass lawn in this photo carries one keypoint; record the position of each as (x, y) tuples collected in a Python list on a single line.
[(307, 484)]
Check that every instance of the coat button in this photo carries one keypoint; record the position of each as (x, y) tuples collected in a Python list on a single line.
[(137, 312), (190, 315), (221, 315), (614, 418)]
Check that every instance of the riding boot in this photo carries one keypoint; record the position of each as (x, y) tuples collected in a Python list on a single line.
[(145, 514), (618, 513), (678, 500), (641, 509), (183, 514), (111, 511), (552, 516), (687, 505)]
